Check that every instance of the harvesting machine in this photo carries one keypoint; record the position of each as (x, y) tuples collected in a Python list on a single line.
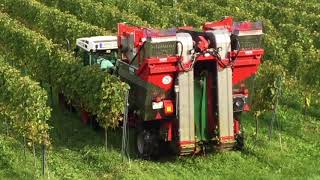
[(186, 86)]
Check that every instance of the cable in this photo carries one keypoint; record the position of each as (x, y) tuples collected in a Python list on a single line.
[(193, 62), (180, 57), (215, 53)]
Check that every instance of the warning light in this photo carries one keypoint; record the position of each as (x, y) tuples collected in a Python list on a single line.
[(168, 107)]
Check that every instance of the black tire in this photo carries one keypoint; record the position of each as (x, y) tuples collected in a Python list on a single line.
[(240, 142), (146, 144)]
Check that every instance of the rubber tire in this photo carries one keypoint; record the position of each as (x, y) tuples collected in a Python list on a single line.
[(240, 142), (146, 144)]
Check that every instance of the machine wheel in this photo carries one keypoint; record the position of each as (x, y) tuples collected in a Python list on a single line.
[(146, 144), (239, 141)]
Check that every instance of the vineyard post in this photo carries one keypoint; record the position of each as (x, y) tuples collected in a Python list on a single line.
[(280, 94), (43, 159), (256, 114), (125, 145), (7, 127), (51, 94), (34, 156), (277, 94), (306, 102), (274, 116), (106, 138), (257, 124), (50, 86), (24, 146)]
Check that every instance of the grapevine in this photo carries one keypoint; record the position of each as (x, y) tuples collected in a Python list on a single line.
[(47, 63), (105, 16), (50, 21), (24, 104)]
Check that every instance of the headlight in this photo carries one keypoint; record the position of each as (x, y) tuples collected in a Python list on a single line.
[(238, 103)]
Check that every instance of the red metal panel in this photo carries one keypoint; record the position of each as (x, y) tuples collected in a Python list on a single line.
[(225, 23), (241, 73), (159, 72)]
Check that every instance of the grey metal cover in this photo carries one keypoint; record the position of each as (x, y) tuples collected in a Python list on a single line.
[(185, 94), (225, 105)]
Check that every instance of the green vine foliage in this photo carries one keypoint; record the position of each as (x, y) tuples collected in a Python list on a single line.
[(97, 13), (165, 16), (92, 89), (23, 104), (271, 77), (50, 21), (312, 7)]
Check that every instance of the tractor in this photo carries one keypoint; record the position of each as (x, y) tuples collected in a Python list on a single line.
[(187, 87)]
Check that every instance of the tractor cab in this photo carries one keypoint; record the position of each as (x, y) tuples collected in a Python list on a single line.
[(101, 50)]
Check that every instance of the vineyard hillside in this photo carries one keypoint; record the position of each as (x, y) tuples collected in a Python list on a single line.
[(38, 65)]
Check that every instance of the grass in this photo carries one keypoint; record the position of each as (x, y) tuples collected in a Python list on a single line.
[(78, 153)]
